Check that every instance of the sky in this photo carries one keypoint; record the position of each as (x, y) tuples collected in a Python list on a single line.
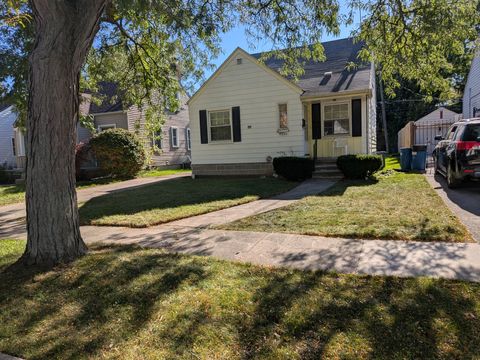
[(236, 38)]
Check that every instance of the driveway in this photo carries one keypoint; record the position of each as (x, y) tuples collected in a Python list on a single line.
[(464, 201)]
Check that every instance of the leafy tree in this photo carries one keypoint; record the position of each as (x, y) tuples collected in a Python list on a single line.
[(144, 44)]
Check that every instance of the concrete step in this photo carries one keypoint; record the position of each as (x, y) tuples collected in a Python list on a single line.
[(327, 171), (330, 175), (325, 167)]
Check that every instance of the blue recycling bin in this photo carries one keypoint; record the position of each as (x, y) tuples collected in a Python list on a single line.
[(419, 157), (406, 159)]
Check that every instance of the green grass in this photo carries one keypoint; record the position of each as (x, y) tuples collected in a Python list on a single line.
[(12, 194), (159, 172), (132, 303), (396, 206), (175, 199)]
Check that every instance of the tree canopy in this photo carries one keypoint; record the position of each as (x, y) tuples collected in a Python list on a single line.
[(144, 45)]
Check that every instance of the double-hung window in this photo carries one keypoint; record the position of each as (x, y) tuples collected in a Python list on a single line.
[(220, 125), (337, 119), (174, 137)]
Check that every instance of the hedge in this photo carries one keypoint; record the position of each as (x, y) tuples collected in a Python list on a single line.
[(293, 168), (359, 166), (119, 152)]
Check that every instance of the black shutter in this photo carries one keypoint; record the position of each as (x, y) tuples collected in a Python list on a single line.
[(237, 132), (356, 117), (316, 122), (203, 127)]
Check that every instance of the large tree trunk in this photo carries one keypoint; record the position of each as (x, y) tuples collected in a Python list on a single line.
[(64, 33)]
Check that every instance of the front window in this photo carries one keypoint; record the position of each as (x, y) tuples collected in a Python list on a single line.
[(220, 125), (337, 119)]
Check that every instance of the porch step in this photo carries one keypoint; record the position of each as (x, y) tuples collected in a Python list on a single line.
[(327, 169)]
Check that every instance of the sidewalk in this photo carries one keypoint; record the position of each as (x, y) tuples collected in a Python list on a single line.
[(372, 257)]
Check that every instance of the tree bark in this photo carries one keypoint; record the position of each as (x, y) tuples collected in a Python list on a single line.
[(64, 31)]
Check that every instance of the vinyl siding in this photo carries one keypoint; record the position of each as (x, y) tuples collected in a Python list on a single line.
[(168, 154), (7, 120), (471, 96), (258, 93)]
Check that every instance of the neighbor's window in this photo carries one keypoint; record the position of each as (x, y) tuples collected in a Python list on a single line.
[(157, 139), (337, 119), (283, 116), (174, 136), (220, 125), (106, 127), (189, 140)]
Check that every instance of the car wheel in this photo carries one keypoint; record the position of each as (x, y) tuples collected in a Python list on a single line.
[(452, 182)]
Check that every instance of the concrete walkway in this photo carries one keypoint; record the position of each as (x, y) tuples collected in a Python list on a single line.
[(464, 201)]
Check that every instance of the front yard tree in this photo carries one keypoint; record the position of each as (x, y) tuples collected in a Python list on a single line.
[(143, 45)]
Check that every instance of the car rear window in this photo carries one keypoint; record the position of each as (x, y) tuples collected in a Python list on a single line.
[(472, 133)]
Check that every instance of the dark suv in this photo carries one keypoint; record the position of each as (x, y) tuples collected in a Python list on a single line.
[(457, 155)]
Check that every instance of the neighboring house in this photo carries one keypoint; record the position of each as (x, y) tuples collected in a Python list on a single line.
[(11, 141), (112, 113), (433, 124), (173, 142), (471, 96), (246, 113)]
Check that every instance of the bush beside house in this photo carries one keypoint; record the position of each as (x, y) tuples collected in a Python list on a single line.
[(118, 152), (293, 168), (359, 166)]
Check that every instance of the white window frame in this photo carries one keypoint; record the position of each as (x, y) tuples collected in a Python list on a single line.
[(210, 126), (189, 139), (106, 127), (174, 145), (348, 103)]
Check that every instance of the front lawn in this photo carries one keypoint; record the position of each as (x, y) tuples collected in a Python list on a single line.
[(176, 199), (396, 206), (160, 172), (132, 303), (11, 194)]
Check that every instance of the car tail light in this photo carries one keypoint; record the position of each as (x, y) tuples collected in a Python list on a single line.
[(467, 145), (468, 171)]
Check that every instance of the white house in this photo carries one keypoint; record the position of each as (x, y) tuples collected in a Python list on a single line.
[(433, 124), (10, 141), (471, 96), (246, 113)]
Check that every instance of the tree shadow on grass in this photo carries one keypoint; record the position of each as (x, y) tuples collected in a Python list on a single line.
[(323, 316), (106, 297), (176, 306), (202, 195)]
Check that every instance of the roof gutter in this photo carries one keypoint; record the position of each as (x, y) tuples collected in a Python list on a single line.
[(337, 94)]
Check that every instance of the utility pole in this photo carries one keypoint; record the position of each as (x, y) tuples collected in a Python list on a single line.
[(384, 114)]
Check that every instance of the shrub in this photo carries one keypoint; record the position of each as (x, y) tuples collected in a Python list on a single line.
[(359, 166), (293, 168), (119, 152)]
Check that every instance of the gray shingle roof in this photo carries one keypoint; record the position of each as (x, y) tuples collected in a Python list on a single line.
[(111, 99), (338, 53)]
